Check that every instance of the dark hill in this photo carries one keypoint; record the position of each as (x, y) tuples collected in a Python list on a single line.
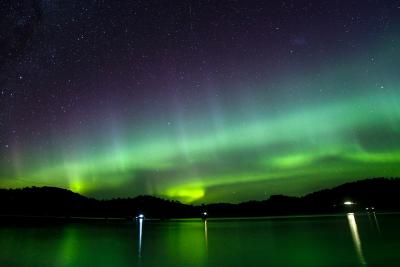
[(380, 193), (43, 201)]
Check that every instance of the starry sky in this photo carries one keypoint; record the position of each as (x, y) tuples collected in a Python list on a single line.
[(198, 101)]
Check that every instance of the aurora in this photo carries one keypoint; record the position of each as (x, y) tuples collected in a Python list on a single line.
[(307, 124)]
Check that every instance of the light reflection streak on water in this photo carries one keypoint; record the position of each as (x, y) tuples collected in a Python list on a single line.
[(376, 222), (356, 238), (140, 237), (206, 234)]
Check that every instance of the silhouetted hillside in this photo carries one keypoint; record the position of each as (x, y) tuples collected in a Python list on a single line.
[(52, 201), (152, 207), (379, 194), (42, 201)]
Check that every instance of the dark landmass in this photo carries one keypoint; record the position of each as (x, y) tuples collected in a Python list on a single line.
[(379, 194)]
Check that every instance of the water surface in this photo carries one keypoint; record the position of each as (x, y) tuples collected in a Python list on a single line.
[(344, 240)]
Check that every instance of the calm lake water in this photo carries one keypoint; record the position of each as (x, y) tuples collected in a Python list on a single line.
[(345, 240)]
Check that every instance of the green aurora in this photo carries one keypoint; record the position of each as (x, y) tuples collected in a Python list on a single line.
[(321, 127)]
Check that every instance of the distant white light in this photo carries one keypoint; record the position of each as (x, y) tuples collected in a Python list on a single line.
[(204, 213), (140, 216), (348, 203)]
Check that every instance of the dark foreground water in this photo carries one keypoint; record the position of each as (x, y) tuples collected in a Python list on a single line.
[(345, 240)]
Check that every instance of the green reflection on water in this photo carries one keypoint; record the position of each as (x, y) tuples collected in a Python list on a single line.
[(345, 240)]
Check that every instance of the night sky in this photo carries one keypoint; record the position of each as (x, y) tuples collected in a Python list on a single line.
[(198, 101)]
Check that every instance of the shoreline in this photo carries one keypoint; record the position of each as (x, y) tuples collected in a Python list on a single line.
[(78, 219)]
